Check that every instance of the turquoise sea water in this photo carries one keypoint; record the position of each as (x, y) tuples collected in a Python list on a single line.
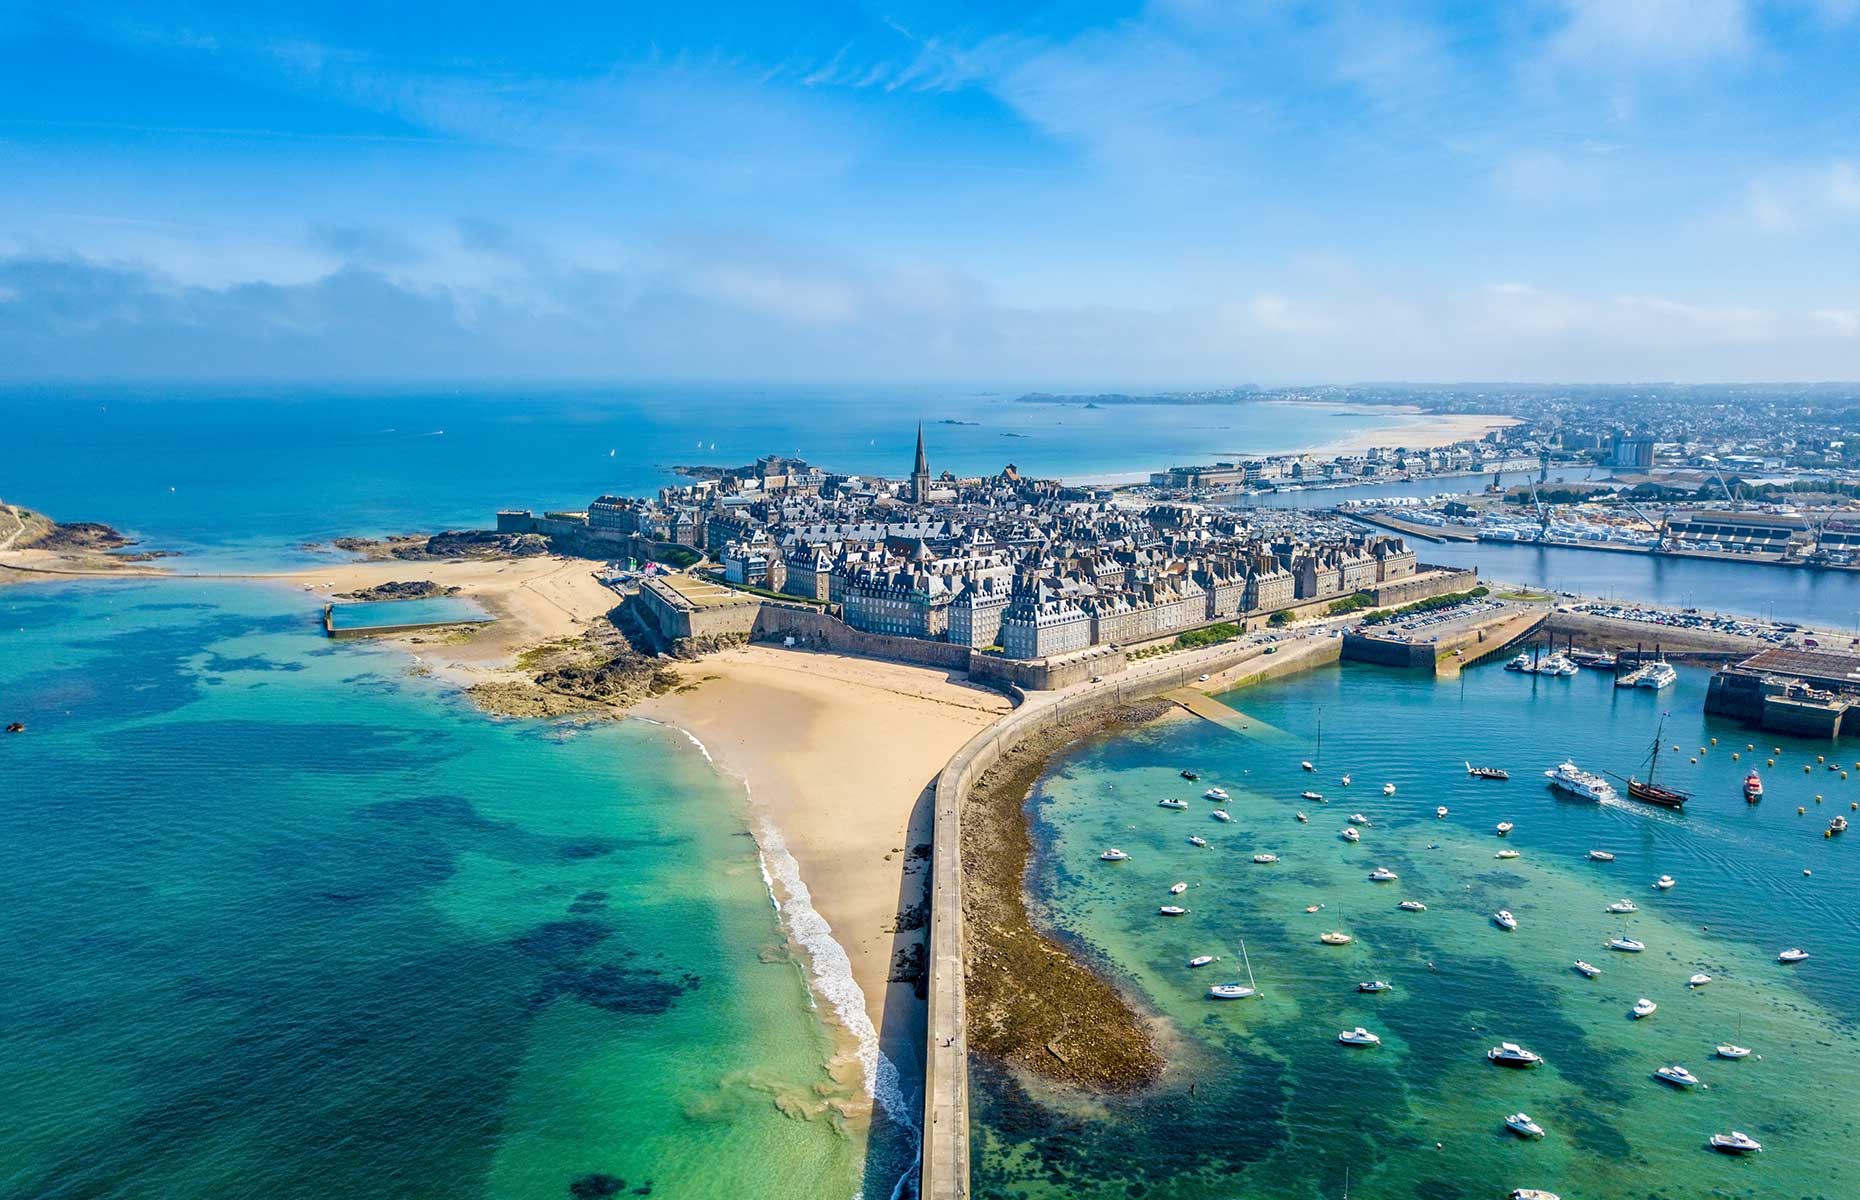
[(378, 614), (1261, 1101), (277, 919)]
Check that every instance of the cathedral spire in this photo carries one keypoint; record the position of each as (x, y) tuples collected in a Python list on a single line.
[(920, 471)]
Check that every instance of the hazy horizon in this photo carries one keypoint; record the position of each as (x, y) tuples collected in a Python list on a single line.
[(1077, 195)]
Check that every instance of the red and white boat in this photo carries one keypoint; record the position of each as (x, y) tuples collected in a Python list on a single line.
[(1753, 788)]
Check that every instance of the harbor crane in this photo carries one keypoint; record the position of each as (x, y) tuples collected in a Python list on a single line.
[(1659, 527), (1719, 473)]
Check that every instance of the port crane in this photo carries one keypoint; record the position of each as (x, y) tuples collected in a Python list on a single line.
[(1719, 473), (1659, 527)]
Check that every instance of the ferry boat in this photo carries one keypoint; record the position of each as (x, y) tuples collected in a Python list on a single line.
[(1522, 1124), (1753, 788), (1510, 1054), (1171, 803), (1113, 855), (1487, 772), (1358, 1037), (1215, 793), (1651, 792), (1658, 675), (1736, 1143), (1568, 777), (1588, 969)]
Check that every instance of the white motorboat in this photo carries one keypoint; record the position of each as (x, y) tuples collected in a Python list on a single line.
[(1172, 910), (1221, 814), (1623, 906), (1334, 938), (1314, 797), (1345, 781), (1521, 663), (1412, 906), (1504, 920), (1215, 793), (1663, 883), (1699, 980), (1588, 969), (1510, 1054), (1601, 856), (1532, 1194), (1388, 789), (1792, 955), (1626, 944), (1658, 675), (1382, 875), (1358, 819), (1522, 1124), (1568, 777), (1733, 1050), (1678, 1076), (1349, 834), (1644, 1007), (1508, 854), (1231, 991), (1201, 960), (1503, 828), (1303, 820), (1176, 889), (1113, 855), (1264, 859), (1374, 985), (1307, 765), (1441, 812), (1197, 840), (1171, 803), (1358, 1037), (1735, 1143)]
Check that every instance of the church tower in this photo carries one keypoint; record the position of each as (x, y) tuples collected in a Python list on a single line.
[(920, 471)]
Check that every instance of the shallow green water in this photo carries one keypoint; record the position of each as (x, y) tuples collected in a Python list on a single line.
[(278, 920), (1278, 1109)]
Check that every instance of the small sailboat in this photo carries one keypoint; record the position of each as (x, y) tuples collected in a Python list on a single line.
[(1265, 859), (1588, 969), (1334, 938), (1510, 1054), (1601, 856), (1792, 955), (1197, 840), (1733, 1051), (1644, 1008), (1735, 1143), (1172, 910), (1170, 802), (1678, 1076), (1358, 1037), (1114, 855), (1349, 834), (1176, 889), (1503, 828), (1663, 883), (1504, 920), (1412, 906), (1522, 1124), (1626, 944), (1221, 814), (1237, 991)]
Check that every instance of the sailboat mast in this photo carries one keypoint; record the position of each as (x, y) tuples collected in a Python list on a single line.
[(1250, 982), (1659, 735)]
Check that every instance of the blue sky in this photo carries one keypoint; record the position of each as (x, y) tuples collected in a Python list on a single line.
[(1063, 194)]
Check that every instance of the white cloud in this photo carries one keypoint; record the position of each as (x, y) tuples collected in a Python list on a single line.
[(1608, 34), (1798, 198)]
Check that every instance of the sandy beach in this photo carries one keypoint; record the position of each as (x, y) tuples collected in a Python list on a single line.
[(839, 755), (1414, 430)]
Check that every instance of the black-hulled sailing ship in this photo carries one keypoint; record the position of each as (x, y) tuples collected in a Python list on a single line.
[(1651, 792)]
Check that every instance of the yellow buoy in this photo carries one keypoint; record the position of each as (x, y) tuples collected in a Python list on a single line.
[(1806, 768), (1733, 756), (1799, 810), (1843, 774), (1714, 741), (1769, 762), (1695, 758), (1750, 745), (1821, 758), (1817, 797), (1777, 750), (1675, 747)]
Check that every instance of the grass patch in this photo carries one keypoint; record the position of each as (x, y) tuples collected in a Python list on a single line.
[(1431, 604), (1211, 635)]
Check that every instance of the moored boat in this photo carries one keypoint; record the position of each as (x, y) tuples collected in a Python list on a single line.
[(1623, 906), (1504, 920), (1753, 788), (1374, 985), (1358, 819), (1316, 797), (1601, 856), (1588, 969), (1215, 793), (1837, 825), (1388, 789), (1735, 1143), (1334, 938), (1113, 855), (1626, 944), (1644, 1007), (1412, 906), (1487, 772), (1172, 910), (1302, 819), (1197, 840), (1507, 854), (1231, 991), (1510, 1054), (1567, 777), (1306, 764), (1503, 828), (1441, 813), (1663, 883), (1732, 1050), (1522, 1124), (1699, 980), (1221, 814), (1358, 1037), (1176, 889), (1678, 1076), (1201, 960), (1792, 955), (1189, 775), (1171, 803), (1382, 875), (1532, 1194), (1349, 834), (1265, 858)]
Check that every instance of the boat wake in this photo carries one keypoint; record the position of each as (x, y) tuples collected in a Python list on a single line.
[(831, 970)]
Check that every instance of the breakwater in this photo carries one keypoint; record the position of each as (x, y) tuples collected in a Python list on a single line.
[(945, 1164)]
